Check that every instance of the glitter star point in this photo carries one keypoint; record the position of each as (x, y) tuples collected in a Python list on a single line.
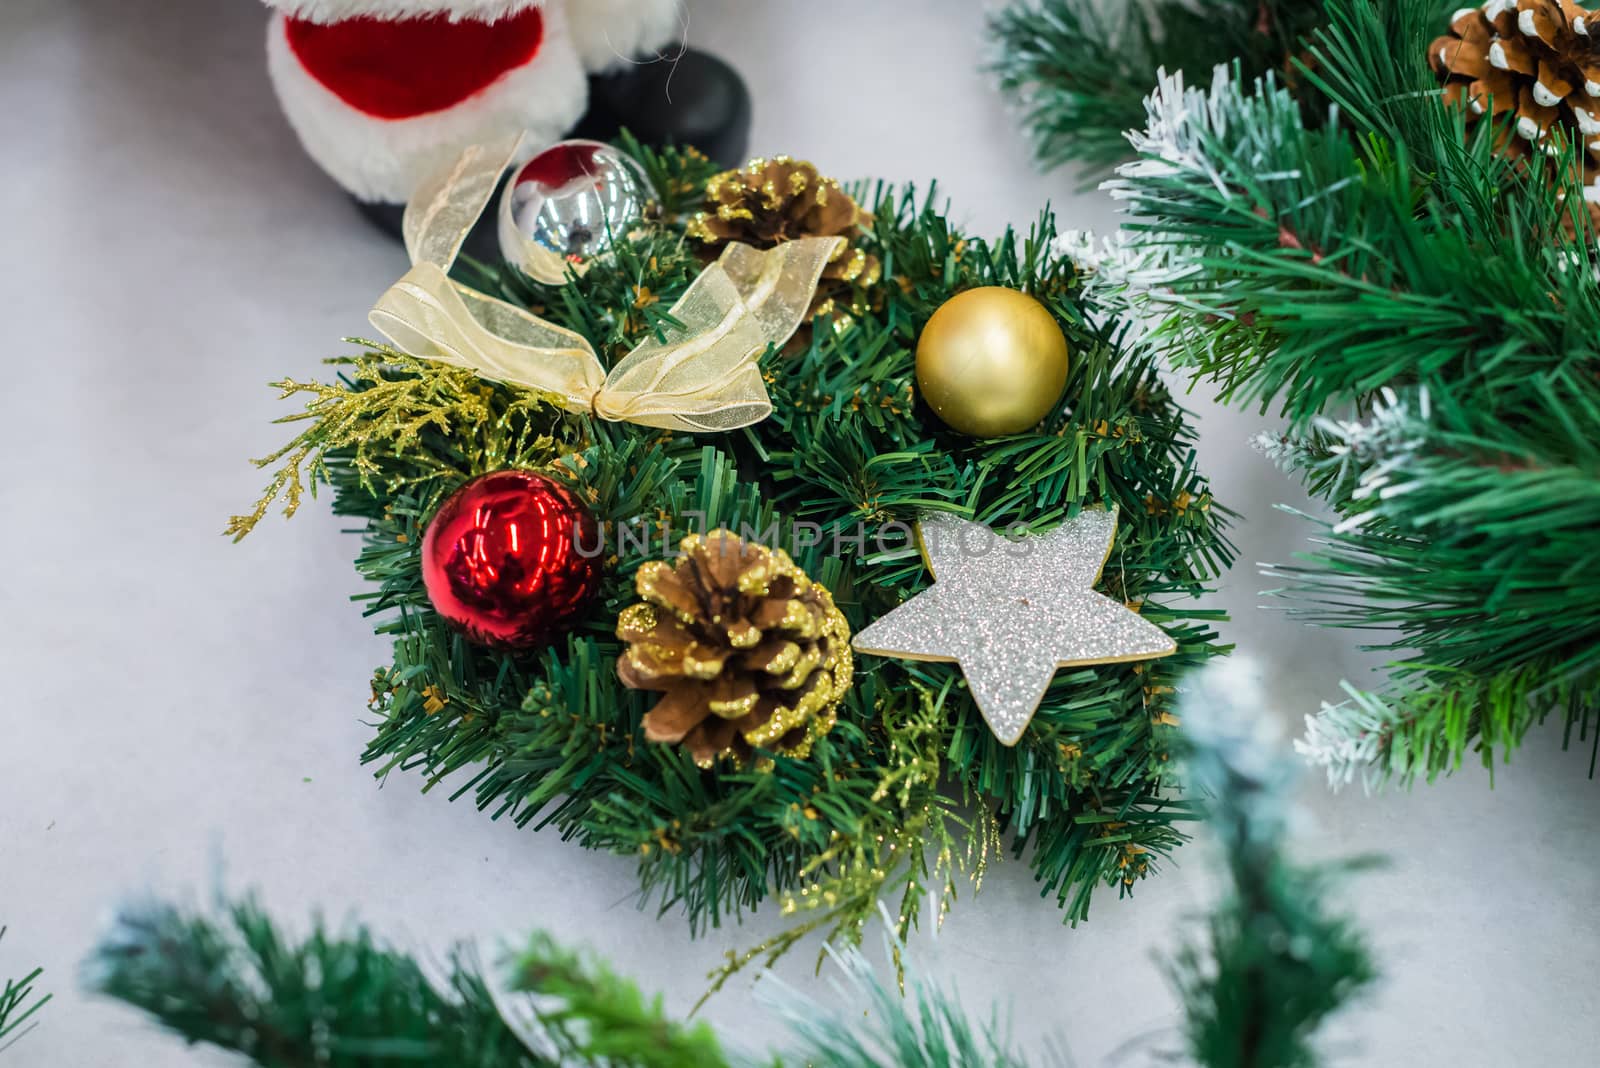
[(1012, 611)]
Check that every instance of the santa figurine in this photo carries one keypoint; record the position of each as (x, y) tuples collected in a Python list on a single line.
[(384, 92)]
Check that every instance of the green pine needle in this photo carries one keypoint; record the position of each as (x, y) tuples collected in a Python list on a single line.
[(18, 1004), (1079, 70)]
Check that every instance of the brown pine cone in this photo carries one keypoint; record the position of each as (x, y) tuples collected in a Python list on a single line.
[(748, 651), (1535, 58), (768, 202)]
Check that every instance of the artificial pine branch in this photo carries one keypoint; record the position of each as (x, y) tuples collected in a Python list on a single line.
[(1463, 542), (887, 1026), (1380, 259), (1079, 69), (236, 981), (18, 1004), (1273, 964), (592, 1015)]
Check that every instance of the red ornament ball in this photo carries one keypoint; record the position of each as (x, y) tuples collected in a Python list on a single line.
[(512, 559)]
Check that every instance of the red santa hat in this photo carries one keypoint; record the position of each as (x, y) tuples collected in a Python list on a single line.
[(383, 92)]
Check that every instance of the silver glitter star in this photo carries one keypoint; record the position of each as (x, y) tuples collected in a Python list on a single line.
[(1011, 611)]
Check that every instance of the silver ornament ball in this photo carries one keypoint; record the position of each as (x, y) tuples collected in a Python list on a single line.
[(568, 205)]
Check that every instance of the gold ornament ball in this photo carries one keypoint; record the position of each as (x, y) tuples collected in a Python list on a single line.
[(991, 362)]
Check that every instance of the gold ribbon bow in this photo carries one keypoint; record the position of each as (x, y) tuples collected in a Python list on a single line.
[(701, 376)]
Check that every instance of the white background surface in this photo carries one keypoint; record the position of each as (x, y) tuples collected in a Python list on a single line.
[(167, 698)]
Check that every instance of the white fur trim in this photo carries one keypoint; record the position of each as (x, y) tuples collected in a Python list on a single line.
[(383, 159), (337, 10), (610, 33)]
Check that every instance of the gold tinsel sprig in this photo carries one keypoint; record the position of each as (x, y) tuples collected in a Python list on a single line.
[(381, 411)]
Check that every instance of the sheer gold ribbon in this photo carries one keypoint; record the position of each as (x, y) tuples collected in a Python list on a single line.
[(701, 376)]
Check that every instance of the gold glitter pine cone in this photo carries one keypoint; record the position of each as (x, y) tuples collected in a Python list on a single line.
[(1536, 59), (768, 202), (747, 651)]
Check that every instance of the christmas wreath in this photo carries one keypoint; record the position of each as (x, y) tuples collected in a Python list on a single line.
[(642, 512)]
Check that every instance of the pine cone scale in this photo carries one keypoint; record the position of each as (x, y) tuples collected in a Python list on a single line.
[(713, 737), (1458, 57), (775, 656), (727, 564), (705, 662), (1513, 54), (802, 670), (678, 712), (667, 589), (732, 696)]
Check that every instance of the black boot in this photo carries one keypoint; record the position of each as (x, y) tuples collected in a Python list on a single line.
[(693, 99), (382, 214)]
